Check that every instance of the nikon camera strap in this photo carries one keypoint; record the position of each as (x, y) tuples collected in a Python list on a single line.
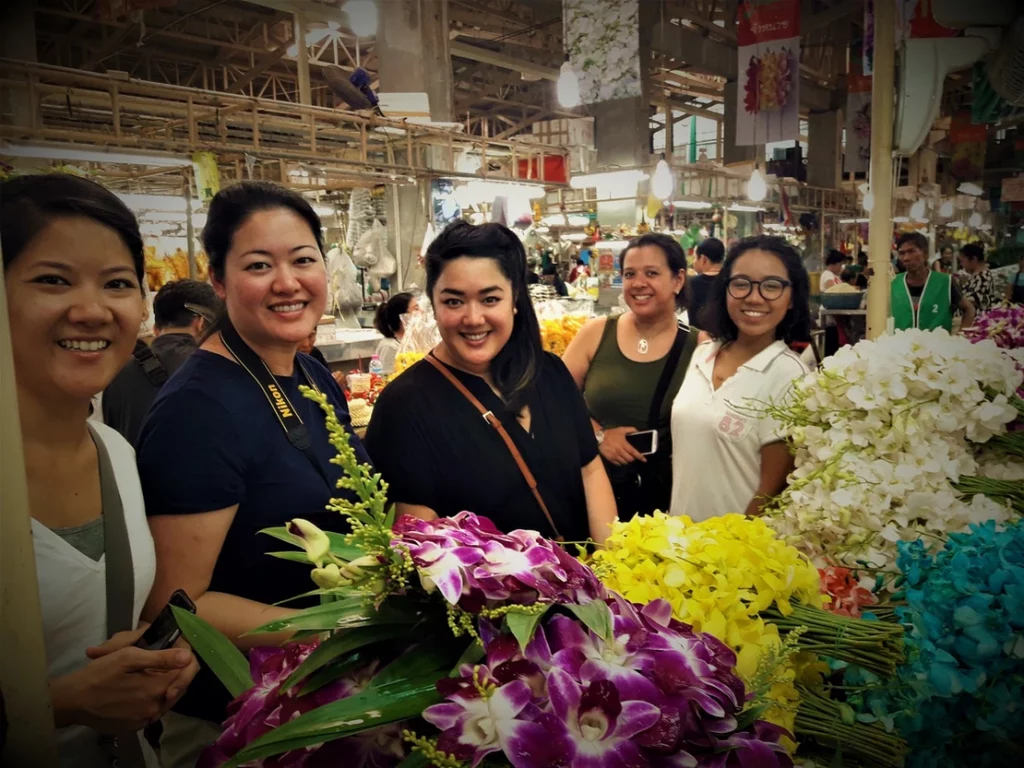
[(287, 416)]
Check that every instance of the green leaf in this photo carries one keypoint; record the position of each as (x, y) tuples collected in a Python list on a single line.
[(221, 656), (523, 625), (597, 616), (339, 547), (293, 557), (433, 656), (337, 669), (355, 611), (370, 709), (335, 646)]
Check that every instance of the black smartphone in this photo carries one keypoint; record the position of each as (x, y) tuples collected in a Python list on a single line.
[(645, 442), (164, 630)]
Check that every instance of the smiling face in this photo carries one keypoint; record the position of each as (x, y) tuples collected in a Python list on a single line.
[(274, 283), (753, 315), (649, 286), (75, 308), (474, 306)]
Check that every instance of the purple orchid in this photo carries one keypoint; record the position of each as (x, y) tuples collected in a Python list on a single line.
[(474, 565), (479, 719), (264, 707)]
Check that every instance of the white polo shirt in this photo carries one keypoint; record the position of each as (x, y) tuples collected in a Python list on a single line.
[(716, 438)]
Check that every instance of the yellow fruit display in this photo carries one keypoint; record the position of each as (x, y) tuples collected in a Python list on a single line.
[(556, 333)]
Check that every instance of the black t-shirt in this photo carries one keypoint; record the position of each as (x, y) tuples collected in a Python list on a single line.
[(434, 449), (211, 441), (955, 294), (698, 288), (127, 399)]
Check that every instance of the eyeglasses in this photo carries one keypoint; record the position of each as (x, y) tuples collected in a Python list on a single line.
[(770, 289)]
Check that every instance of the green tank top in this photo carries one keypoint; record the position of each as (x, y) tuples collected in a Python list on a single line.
[(933, 309), (619, 390)]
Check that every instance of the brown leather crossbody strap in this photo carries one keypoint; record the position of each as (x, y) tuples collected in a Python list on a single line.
[(495, 422)]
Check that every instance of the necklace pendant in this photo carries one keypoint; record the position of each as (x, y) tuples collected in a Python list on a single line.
[(642, 347)]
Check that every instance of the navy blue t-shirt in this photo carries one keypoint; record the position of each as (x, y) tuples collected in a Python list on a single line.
[(211, 441)]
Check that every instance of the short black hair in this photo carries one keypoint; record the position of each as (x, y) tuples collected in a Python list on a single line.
[(849, 276), (675, 257), (28, 204), (517, 365), (388, 317), (914, 238), (974, 251), (169, 304), (795, 326), (549, 269), (835, 257), (232, 207), (712, 249)]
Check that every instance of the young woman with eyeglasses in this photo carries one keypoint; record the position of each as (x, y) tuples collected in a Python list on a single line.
[(727, 456)]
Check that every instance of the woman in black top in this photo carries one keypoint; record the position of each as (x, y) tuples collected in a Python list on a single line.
[(430, 443)]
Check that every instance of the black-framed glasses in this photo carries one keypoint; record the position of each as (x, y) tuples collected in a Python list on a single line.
[(770, 288)]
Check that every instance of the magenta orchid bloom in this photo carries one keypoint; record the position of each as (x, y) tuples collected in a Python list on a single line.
[(472, 564)]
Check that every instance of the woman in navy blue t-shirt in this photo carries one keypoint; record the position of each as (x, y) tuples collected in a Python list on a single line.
[(215, 460)]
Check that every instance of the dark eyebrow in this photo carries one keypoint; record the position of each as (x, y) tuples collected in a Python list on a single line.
[(261, 252), (54, 265), (482, 292), (116, 270)]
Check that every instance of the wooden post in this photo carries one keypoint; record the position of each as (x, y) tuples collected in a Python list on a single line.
[(23, 671), (451, 153), (193, 129), (190, 230), (312, 132), (302, 59), (408, 146), (883, 85), (115, 110), (255, 126)]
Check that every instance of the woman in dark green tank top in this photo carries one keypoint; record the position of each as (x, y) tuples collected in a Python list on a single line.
[(624, 364)]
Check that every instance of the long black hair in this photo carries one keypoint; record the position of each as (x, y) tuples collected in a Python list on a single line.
[(795, 326), (28, 204), (517, 365), (675, 257), (231, 208), (388, 318)]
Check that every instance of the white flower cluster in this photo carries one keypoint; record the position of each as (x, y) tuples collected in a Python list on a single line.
[(882, 433)]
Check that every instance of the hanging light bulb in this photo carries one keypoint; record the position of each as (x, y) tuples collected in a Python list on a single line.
[(757, 189), (946, 210), (918, 210), (869, 201), (975, 219), (362, 17), (568, 86), (662, 183)]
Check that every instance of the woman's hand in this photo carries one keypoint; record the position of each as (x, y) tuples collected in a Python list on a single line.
[(125, 689), (181, 679), (616, 449)]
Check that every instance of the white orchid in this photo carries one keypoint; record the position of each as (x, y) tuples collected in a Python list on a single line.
[(883, 432)]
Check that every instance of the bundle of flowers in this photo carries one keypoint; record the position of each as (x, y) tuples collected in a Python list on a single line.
[(846, 595), (484, 645), (887, 438), (958, 697), (1003, 325), (732, 577), (557, 332)]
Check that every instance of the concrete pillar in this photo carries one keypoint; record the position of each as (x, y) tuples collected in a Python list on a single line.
[(18, 42), (825, 149), (731, 153), (413, 56), (412, 51)]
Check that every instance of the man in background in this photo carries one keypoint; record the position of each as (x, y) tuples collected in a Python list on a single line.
[(707, 265), (924, 298), (181, 312)]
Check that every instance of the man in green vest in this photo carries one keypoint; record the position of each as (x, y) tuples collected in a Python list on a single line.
[(921, 297)]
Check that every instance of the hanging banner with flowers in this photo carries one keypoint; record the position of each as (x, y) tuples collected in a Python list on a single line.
[(602, 40), (768, 96)]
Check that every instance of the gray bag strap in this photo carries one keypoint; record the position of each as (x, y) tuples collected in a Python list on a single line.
[(120, 581)]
